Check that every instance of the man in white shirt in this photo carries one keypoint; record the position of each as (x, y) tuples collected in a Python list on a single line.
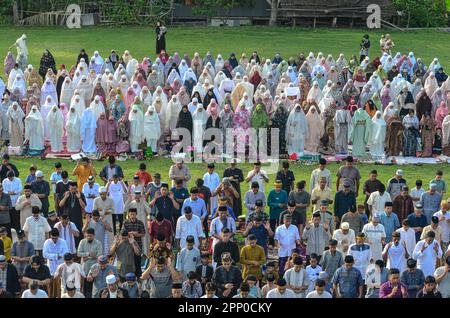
[(444, 222), (257, 175), (91, 192), (218, 223), (395, 253), (417, 192), (281, 291), (54, 250), (407, 235), (375, 236), (34, 291), (319, 291), (72, 293), (188, 224), (377, 200), (37, 228), (427, 252), (13, 186), (286, 239), (318, 174), (210, 291), (345, 236), (68, 231), (297, 278), (361, 253), (70, 273), (212, 181)]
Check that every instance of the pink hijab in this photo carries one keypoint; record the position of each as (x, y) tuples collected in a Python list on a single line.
[(145, 64), (441, 112), (129, 98), (213, 109)]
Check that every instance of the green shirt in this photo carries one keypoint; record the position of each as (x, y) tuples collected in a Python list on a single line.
[(274, 200)]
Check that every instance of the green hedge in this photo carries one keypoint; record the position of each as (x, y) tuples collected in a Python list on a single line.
[(422, 13)]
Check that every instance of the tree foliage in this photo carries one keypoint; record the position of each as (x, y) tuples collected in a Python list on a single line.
[(210, 8), (422, 13)]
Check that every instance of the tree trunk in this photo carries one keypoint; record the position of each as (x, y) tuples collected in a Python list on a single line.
[(273, 12), (15, 13)]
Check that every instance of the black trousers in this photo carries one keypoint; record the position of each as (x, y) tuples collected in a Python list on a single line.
[(273, 226), (15, 219), (137, 264), (87, 289), (205, 227), (117, 218)]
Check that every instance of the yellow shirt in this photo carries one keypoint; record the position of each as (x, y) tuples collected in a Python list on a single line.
[(319, 195), (437, 233), (83, 172), (7, 246), (249, 253)]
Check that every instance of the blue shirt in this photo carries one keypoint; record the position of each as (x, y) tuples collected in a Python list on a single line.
[(431, 203), (230, 212), (348, 281), (261, 236), (414, 221), (198, 207), (390, 223), (343, 202), (99, 281), (30, 178), (412, 280), (54, 178), (365, 218)]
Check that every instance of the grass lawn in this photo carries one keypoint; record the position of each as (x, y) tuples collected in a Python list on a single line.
[(65, 45), (301, 172)]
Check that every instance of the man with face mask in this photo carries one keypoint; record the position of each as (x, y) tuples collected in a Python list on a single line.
[(36, 228)]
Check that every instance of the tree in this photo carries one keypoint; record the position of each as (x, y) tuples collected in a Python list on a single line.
[(210, 8), (274, 4)]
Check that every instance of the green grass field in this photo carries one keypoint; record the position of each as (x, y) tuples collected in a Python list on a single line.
[(65, 45), (301, 172)]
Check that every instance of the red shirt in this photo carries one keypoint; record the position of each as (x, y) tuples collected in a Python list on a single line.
[(165, 227), (144, 177)]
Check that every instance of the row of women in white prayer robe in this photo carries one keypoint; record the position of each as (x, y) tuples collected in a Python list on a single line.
[(240, 88)]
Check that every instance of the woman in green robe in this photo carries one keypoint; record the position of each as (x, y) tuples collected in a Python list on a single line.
[(360, 134)]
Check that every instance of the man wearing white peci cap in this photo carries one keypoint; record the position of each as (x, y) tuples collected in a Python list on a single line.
[(112, 290)]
